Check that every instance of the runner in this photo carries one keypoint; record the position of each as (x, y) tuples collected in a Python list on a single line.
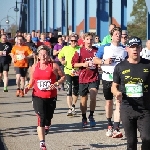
[(97, 42), (132, 75), (43, 81), (72, 77), (88, 78), (108, 56), (124, 37), (31, 61), (145, 53), (20, 55), (5, 60), (57, 48), (107, 39)]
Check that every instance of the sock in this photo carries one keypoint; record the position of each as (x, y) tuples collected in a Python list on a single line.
[(109, 122), (116, 125), (5, 88), (73, 105), (84, 116), (42, 143), (91, 113)]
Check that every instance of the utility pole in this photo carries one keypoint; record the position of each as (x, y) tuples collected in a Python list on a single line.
[(43, 18), (67, 31)]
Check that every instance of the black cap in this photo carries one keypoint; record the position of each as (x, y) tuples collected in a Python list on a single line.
[(134, 41)]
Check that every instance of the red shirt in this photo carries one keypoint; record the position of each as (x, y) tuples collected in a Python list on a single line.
[(43, 79), (90, 74)]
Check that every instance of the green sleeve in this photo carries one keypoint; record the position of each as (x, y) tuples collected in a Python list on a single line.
[(61, 53), (104, 41)]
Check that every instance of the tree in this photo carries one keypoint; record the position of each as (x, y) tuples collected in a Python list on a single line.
[(12, 29), (137, 27)]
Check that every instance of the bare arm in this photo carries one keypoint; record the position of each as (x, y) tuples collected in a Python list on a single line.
[(31, 82), (58, 71), (55, 52)]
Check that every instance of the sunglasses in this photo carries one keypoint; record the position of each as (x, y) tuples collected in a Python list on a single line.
[(124, 37), (73, 40)]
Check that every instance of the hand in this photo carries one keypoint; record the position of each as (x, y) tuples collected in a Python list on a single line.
[(26, 90), (108, 61), (118, 97), (86, 64), (63, 62), (14, 60), (1, 53), (53, 86)]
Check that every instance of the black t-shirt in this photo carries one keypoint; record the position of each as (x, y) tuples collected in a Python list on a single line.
[(134, 81), (5, 48)]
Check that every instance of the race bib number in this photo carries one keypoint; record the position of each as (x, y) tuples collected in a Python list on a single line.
[(4, 53), (134, 90), (44, 84), (74, 72), (91, 65), (20, 57)]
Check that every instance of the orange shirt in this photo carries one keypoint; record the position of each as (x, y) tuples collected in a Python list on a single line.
[(20, 53)]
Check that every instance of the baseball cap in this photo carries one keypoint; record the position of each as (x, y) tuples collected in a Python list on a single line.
[(134, 41)]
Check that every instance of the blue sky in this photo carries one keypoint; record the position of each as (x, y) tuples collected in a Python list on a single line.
[(7, 4)]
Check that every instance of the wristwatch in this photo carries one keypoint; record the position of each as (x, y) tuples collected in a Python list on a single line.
[(102, 61)]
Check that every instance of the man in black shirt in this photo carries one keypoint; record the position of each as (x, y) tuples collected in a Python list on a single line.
[(131, 87), (5, 59)]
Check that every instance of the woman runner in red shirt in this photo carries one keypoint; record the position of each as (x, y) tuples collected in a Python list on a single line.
[(44, 82)]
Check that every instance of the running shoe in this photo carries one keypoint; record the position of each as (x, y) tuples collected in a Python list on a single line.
[(43, 147), (109, 132), (17, 93), (84, 123), (21, 94), (5, 89), (73, 111), (69, 112), (92, 121), (117, 134)]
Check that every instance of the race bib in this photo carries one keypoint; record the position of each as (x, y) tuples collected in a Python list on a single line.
[(44, 84), (107, 76), (74, 72), (91, 65), (134, 90), (4, 53), (20, 57)]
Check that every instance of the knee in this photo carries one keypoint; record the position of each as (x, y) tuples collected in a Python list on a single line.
[(75, 91), (41, 120), (109, 103)]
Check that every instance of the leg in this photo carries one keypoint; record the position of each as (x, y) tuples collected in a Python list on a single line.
[(75, 92), (69, 93), (39, 107), (83, 91), (130, 126), (109, 106), (23, 72), (5, 74), (144, 129)]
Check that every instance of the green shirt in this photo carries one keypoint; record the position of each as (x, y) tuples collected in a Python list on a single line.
[(68, 52), (107, 39)]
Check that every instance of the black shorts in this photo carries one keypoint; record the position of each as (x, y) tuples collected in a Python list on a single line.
[(44, 108), (85, 87), (21, 70), (30, 62), (4, 67), (107, 90)]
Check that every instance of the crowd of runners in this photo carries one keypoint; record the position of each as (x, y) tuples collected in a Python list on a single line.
[(47, 63)]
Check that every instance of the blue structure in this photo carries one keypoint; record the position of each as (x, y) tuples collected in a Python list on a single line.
[(148, 19), (124, 14), (49, 16)]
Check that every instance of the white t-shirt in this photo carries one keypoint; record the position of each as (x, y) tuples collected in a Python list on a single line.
[(118, 54), (145, 53)]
